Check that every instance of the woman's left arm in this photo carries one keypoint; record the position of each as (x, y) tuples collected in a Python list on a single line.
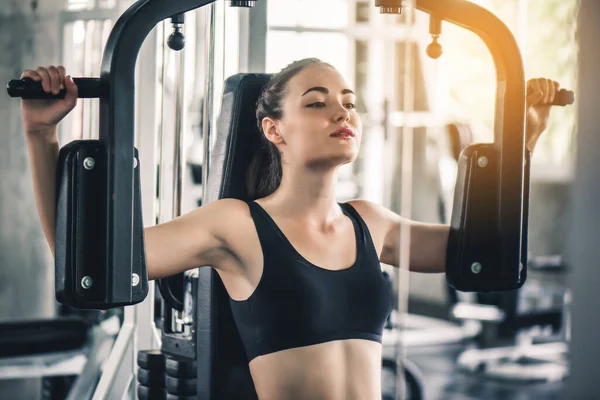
[(428, 242)]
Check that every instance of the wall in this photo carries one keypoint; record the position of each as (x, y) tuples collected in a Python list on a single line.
[(27, 39), (583, 231)]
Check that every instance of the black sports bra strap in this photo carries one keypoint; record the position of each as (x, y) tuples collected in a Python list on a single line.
[(263, 224), (367, 240)]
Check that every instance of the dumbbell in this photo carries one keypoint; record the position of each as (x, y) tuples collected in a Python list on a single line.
[(152, 360), (151, 375), (181, 387), (180, 376), (181, 368), (146, 393), (151, 378)]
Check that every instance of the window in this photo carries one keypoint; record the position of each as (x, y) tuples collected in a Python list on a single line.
[(86, 25), (81, 5), (545, 31), (551, 51), (284, 47), (309, 28), (330, 14)]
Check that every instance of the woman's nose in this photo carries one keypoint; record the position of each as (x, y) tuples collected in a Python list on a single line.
[(343, 114)]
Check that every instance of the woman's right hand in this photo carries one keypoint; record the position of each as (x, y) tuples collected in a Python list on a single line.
[(41, 115)]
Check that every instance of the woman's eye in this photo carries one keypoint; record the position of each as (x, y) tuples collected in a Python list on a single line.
[(320, 104)]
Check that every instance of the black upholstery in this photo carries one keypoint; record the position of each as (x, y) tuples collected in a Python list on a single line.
[(222, 364), (460, 136), (81, 246)]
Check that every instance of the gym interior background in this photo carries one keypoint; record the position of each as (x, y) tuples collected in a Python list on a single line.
[(454, 93)]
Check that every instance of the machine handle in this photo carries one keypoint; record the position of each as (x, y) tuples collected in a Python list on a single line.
[(27, 88), (563, 98)]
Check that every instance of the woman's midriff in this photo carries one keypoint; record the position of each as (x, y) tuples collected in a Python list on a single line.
[(337, 370)]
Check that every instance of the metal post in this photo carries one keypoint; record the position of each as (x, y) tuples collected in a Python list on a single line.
[(208, 111), (257, 37), (146, 336), (204, 356), (179, 159), (406, 182)]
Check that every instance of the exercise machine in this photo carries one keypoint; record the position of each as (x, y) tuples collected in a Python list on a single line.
[(487, 242)]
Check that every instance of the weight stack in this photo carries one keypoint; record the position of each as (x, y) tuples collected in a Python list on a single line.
[(151, 375), (180, 378)]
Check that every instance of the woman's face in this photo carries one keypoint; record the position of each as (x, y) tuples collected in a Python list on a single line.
[(318, 106)]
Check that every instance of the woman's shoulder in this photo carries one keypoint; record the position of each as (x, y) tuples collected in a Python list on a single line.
[(378, 218), (237, 231), (230, 204), (233, 217), (368, 210), (229, 213), (372, 211)]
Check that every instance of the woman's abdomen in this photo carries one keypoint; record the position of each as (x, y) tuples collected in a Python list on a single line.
[(337, 370)]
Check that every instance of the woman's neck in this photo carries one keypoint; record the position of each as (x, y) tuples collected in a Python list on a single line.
[(307, 195)]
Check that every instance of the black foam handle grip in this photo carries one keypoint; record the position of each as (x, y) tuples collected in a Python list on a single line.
[(563, 97), (27, 88)]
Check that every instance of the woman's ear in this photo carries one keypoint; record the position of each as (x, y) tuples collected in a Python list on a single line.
[(270, 128)]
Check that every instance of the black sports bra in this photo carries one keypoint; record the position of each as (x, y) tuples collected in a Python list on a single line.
[(297, 303)]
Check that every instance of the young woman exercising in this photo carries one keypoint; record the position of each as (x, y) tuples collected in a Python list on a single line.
[(302, 271)]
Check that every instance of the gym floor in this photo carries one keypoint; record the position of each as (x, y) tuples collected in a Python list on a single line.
[(443, 380)]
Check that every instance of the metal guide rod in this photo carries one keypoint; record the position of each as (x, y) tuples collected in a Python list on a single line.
[(208, 109), (406, 185), (179, 158)]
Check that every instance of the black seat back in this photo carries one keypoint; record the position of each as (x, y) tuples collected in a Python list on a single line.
[(223, 371), (459, 137)]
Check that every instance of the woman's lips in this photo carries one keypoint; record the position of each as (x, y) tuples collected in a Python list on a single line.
[(344, 133), (342, 136)]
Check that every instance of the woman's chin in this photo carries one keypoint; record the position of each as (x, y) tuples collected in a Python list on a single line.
[(346, 157), (333, 160)]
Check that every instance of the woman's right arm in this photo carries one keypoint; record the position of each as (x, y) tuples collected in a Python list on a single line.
[(43, 156), (192, 240), (40, 120)]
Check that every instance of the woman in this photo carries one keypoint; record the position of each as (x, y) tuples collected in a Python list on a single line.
[(302, 271)]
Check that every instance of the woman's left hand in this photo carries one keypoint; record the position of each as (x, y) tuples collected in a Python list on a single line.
[(541, 93)]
